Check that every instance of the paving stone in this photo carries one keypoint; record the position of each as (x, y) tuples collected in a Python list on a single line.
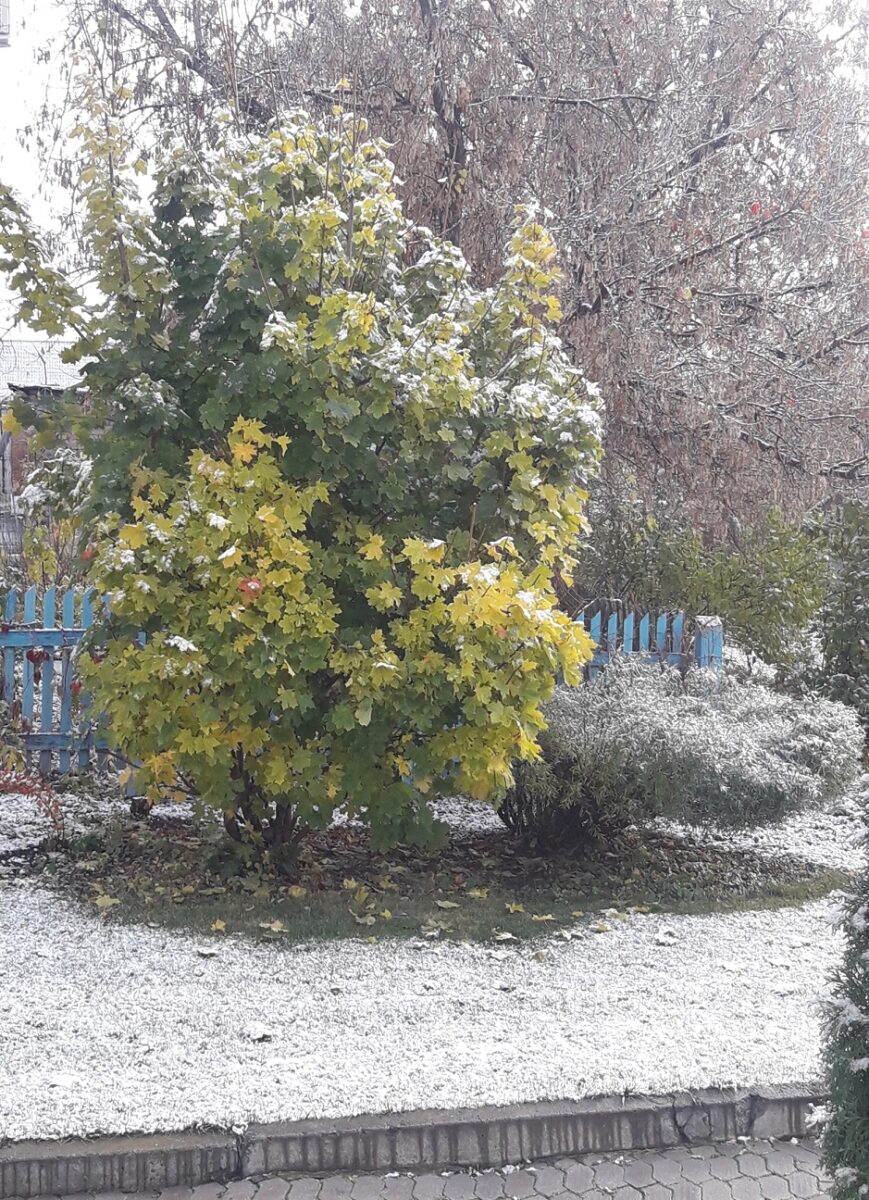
[(805, 1152), (519, 1184), (779, 1160), (490, 1187), (667, 1170), (208, 1191), (459, 1187), (399, 1187), (300, 1189), (745, 1188), (638, 1173), (658, 1191), (686, 1189), (803, 1185), (366, 1187), (697, 1170), (752, 1165), (334, 1187), (724, 1167), (277, 1189), (609, 1175), (627, 1193), (428, 1187), (578, 1178), (717, 1189), (775, 1187), (548, 1181), (244, 1189)]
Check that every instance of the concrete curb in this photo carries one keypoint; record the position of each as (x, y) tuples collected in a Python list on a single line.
[(424, 1140)]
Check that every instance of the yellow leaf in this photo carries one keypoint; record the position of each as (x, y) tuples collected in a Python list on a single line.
[(577, 912), (349, 885), (273, 926), (542, 917), (515, 908), (105, 902), (599, 927), (188, 889), (478, 893), (366, 920), (10, 423), (296, 892), (134, 536), (386, 914), (373, 548), (360, 895), (446, 904), (243, 452), (218, 926)]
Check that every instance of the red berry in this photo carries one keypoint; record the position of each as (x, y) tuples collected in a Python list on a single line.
[(75, 687), (755, 209), (251, 587), (89, 552)]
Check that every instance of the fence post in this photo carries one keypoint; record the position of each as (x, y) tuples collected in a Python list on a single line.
[(709, 643)]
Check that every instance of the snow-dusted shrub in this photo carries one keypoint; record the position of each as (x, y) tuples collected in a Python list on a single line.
[(642, 742), (846, 1137)]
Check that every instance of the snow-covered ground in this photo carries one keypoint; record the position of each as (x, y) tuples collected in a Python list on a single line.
[(830, 837), (105, 1027), (111, 1028)]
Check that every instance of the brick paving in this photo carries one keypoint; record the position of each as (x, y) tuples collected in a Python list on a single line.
[(758, 1170)]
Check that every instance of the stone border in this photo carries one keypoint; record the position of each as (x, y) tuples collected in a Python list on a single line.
[(424, 1140)]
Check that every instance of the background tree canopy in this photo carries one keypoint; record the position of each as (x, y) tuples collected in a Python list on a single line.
[(704, 169)]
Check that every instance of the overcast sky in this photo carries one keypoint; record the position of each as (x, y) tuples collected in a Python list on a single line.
[(23, 82)]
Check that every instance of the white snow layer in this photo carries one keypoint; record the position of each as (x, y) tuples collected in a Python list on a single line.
[(108, 1028)]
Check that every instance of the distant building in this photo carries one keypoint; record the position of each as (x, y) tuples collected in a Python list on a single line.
[(35, 370), (4, 22)]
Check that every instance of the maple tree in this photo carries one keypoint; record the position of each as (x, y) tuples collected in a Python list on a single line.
[(334, 479)]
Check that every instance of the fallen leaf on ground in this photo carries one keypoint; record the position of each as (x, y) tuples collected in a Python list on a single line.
[(105, 901), (478, 893), (514, 908), (599, 927), (218, 926), (296, 892), (273, 926), (446, 904), (505, 937), (542, 917)]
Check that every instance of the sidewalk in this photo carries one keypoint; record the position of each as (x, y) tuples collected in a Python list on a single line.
[(756, 1170)]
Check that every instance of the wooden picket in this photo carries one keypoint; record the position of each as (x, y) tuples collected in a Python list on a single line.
[(37, 675), (36, 683)]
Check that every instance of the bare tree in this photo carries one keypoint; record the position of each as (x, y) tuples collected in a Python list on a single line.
[(704, 169)]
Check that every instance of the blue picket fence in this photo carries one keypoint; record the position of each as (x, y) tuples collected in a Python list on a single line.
[(38, 636), (666, 637)]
